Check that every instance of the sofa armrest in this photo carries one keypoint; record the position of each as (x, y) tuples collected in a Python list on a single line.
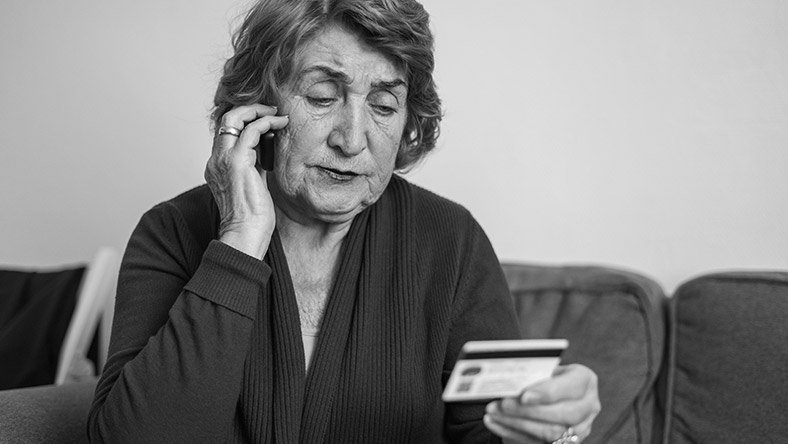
[(46, 413)]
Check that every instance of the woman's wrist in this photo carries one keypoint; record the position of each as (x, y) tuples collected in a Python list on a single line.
[(251, 242)]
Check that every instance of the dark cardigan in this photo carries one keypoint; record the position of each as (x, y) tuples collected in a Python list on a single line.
[(206, 344)]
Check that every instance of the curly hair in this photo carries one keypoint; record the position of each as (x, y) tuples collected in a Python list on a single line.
[(273, 31)]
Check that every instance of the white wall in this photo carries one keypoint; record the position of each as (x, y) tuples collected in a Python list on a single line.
[(647, 134)]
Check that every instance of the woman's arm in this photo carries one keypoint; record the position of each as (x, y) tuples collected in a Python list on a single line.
[(181, 331), (179, 338), (483, 309)]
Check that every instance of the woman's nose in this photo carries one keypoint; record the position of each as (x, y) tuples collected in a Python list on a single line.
[(349, 134)]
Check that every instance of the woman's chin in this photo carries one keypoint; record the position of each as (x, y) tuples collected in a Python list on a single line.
[(334, 210), (326, 200)]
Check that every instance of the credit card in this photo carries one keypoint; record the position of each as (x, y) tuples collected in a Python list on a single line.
[(487, 370)]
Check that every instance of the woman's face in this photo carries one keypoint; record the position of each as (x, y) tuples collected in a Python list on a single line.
[(347, 108)]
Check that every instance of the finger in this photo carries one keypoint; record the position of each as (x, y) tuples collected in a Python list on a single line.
[(570, 411), (243, 149), (568, 382), (250, 136), (583, 429), (238, 118), (536, 427), (524, 430), (544, 422), (504, 431)]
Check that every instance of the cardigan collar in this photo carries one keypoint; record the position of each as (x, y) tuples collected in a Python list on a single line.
[(376, 252), (298, 398)]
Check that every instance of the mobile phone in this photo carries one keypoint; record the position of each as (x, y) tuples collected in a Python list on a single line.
[(487, 370), (265, 151)]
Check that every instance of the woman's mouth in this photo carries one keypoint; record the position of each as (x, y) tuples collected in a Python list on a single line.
[(338, 175)]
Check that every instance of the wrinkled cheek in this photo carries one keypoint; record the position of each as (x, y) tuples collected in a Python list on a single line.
[(391, 161), (287, 152), (381, 179)]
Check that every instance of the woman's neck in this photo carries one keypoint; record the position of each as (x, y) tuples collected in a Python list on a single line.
[(313, 256), (309, 236)]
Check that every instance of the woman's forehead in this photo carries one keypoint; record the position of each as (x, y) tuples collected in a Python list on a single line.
[(335, 53)]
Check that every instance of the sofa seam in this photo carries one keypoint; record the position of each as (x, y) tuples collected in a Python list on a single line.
[(670, 369)]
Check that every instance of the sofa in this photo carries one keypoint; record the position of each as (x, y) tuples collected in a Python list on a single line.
[(707, 365)]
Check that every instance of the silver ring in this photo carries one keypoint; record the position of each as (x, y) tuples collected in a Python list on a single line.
[(568, 437), (228, 130)]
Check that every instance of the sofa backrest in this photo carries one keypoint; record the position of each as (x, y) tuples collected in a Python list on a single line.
[(727, 375), (615, 323)]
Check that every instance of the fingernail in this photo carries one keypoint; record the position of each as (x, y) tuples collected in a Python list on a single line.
[(492, 417), (530, 397)]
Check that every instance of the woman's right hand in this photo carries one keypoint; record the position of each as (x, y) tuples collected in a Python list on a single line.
[(247, 216)]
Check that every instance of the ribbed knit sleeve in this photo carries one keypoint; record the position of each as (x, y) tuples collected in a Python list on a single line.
[(181, 333), (482, 310)]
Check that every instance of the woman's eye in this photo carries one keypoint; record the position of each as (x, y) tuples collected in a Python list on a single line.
[(322, 102), (384, 110)]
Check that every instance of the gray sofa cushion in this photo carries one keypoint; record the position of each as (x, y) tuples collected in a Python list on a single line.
[(46, 414), (615, 323), (728, 369)]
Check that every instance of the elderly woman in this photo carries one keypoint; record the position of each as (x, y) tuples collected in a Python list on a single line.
[(326, 300)]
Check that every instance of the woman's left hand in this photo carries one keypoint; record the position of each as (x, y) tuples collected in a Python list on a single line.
[(547, 409)]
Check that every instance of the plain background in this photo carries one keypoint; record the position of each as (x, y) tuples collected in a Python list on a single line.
[(650, 135)]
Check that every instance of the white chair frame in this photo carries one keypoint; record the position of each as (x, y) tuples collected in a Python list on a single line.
[(95, 300)]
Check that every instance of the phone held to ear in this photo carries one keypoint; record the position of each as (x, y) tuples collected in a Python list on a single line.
[(265, 151)]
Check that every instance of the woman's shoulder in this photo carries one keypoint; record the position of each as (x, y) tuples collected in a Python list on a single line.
[(192, 214), (429, 207), (433, 221), (196, 201), (445, 235)]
